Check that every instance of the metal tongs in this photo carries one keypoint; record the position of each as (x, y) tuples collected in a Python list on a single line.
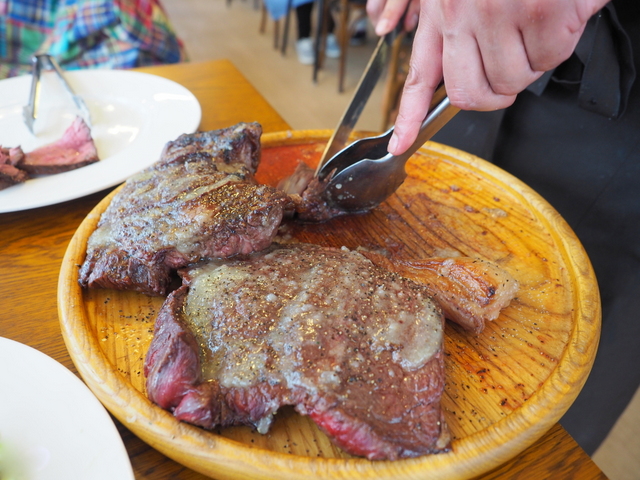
[(30, 111), (364, 174)]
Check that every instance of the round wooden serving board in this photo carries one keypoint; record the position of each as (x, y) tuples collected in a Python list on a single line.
[(505, 387)]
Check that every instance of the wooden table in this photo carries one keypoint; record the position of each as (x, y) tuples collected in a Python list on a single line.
[(33, 242)]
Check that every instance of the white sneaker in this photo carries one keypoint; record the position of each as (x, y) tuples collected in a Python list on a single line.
[(304, 49), (332, 49)]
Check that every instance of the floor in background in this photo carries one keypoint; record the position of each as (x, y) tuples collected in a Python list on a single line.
[(214, 29)]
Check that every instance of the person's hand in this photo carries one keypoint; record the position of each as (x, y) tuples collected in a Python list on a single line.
[(487, 51), (385, 14)]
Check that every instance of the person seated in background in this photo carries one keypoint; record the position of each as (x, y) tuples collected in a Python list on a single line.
[(86, 34), (304, 44), (358, 28), (359, 35)]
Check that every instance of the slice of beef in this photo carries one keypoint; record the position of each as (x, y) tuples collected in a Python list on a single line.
[(184, 208), (10, 155), (357, 348), (10, 175), (73, 150)]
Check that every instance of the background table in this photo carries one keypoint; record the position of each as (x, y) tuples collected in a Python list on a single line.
[(33, 242)]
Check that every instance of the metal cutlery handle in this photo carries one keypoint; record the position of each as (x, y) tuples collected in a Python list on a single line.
[(30, 112), (367, 83), (364, 174), (76, 98), (437, 117)]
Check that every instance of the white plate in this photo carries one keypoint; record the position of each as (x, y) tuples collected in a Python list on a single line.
[(133, 116), (51, 426)]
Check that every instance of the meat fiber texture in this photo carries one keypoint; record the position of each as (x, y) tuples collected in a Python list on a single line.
[(73, 150), (355, 347), (198, 201)]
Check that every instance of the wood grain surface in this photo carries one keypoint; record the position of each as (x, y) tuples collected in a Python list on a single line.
[(505, 387)]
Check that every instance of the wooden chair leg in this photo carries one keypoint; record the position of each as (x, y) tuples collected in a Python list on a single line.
[(263, 18), (343, 38), (321, 35), (287, 22), (394, 82), (276, 33)]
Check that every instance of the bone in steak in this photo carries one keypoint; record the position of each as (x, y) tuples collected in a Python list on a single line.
[(470, 291), (355, 347), (73, 150), (198, 201)]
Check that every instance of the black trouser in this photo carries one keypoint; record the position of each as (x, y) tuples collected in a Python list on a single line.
[(588, 167), (303, 14)]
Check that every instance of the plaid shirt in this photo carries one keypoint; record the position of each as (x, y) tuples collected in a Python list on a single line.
[(85, 34)]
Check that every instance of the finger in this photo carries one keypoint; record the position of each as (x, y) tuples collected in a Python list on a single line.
[(425, 74), (505, 61), (390, 16), (551, 31), (467, 84), (543, 54), (374, 10), (413, 14)]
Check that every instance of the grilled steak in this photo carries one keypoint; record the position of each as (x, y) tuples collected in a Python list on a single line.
[(73, 150), (198, 201), (355, 347), (237, 144)]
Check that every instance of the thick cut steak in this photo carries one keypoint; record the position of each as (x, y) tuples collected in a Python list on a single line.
[(193, 204), (355, 347)]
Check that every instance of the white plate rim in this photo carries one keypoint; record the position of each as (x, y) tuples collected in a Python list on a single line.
[(171, 111), (91, 444)]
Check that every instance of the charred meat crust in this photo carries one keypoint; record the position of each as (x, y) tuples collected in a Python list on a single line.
[(189, 206)]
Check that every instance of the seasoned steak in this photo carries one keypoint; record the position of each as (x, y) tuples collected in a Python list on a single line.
[(237, 144), (190, 205), (355, 347)]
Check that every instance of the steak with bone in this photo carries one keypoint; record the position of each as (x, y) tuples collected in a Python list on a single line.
[(198, 201), (355, 347)]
